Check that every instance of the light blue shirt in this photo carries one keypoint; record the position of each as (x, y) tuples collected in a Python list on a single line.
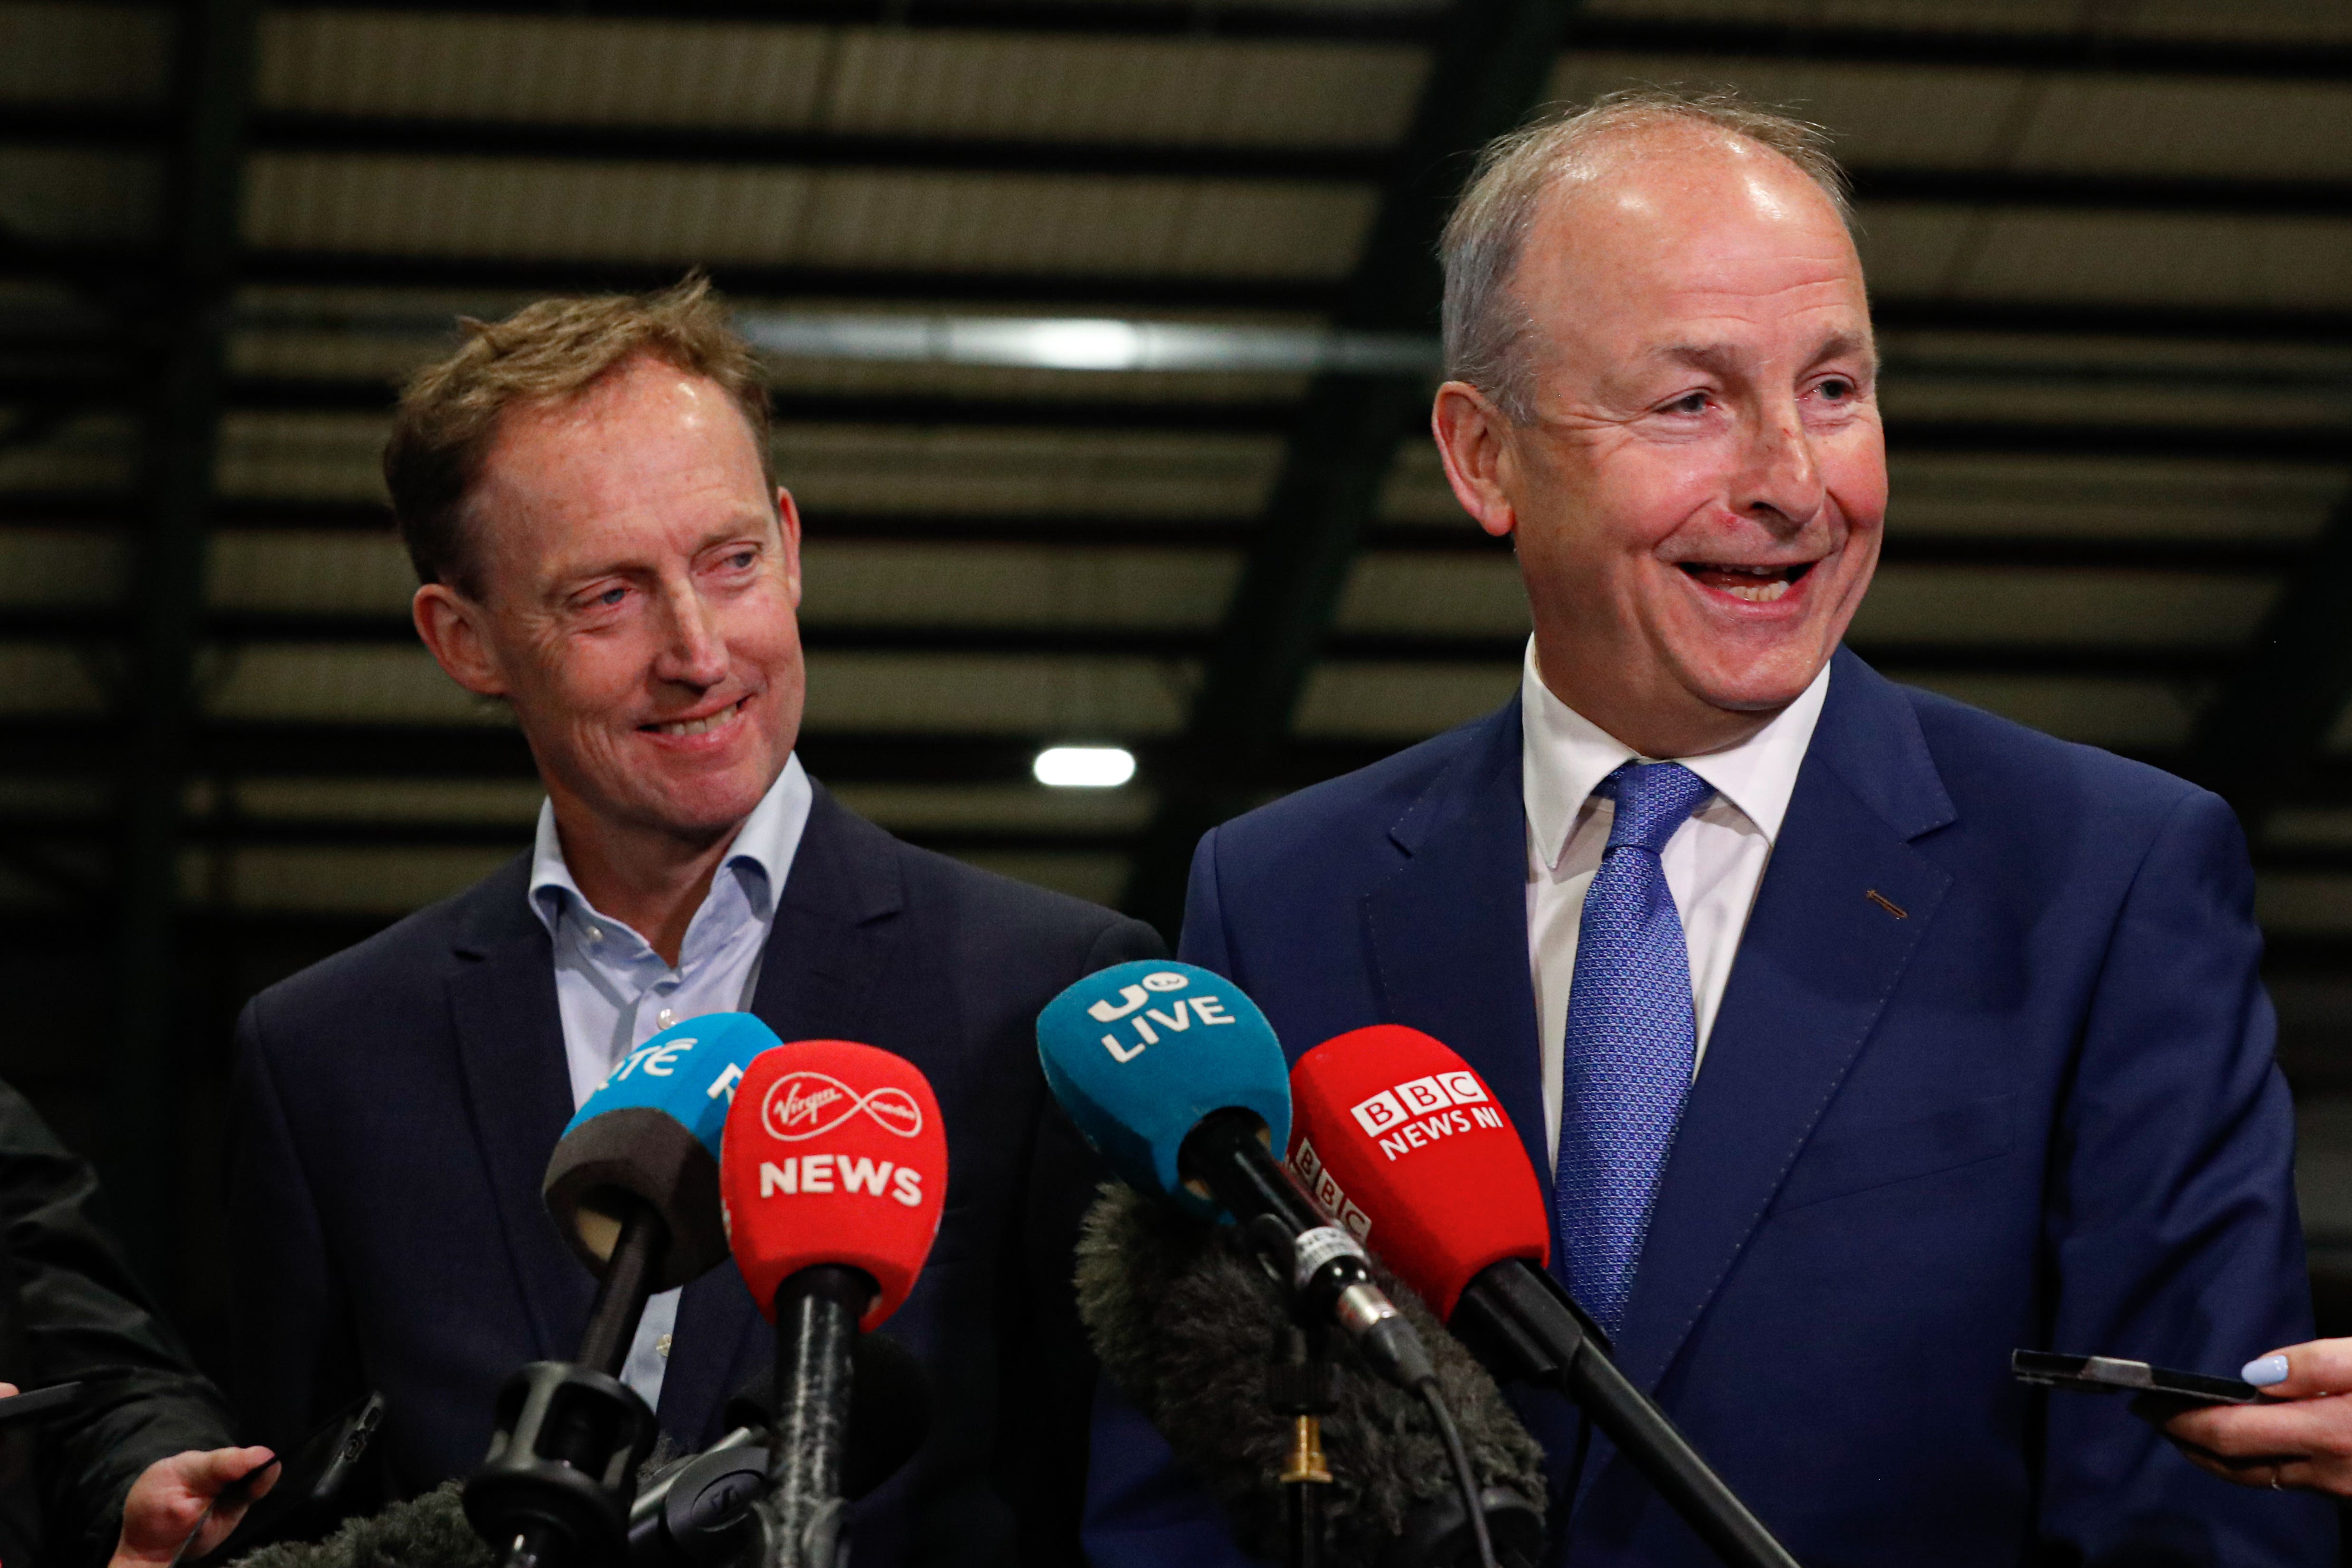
[(615, 992)]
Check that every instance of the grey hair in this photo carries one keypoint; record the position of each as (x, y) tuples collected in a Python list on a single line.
[(1486, 327)]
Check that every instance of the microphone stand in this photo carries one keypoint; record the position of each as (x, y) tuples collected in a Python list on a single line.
[(1302, 1385), (817, 1311), (1519, 1318), (562, 1467)]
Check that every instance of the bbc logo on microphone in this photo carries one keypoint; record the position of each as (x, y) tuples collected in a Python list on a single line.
[(1307, 1166), (1419, 1112)]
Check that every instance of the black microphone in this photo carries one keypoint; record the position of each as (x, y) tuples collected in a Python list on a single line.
[(1184, 1320), (1188, 1096), (632, 1186)]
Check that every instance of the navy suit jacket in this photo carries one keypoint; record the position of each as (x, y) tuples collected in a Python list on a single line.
[(392, 1113), (1993, 1069)]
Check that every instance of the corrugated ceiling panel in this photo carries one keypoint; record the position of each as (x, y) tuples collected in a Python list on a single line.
[(878, 468), (328, 574), (945, 808), (2143, 715), (487, 801), (97, 452), (519, 208), (2175, 259), (1951, 493), (2217, 404), (1076, 698), (48, 682), (2281, 20), (1872, 111), (880, 81), (343, 684), (1006, 585), (2277, 128), (55, 566), (306, 457), (2306, 903), (366, 881), (1994, 606), (78, 197), (1411, 591), (83, 52), (574, 69), (1400, 702), (1200, 91)]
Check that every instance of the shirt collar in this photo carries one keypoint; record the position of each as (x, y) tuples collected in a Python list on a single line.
[(1567, 755), (762, 855)]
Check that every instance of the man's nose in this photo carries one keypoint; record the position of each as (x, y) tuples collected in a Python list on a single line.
[(1779, 483), (694, 653)]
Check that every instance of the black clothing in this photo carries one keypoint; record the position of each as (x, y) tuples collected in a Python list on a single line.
[(70, 1309), (393, 1111)]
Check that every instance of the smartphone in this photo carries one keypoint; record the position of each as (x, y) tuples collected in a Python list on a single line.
[(331, 1480), (2112, 1374)]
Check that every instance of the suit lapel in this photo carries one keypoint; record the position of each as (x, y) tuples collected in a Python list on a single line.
[(1449, 927), (511, 1051), (1815, 967), (834, 928)]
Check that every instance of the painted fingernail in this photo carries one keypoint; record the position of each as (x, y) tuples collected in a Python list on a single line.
[(2264, 1371)]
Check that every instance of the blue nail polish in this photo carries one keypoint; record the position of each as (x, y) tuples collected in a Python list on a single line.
[(2264, 1371)]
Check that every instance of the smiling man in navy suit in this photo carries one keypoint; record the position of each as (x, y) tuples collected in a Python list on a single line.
[(1860, 1038), (584, 489)]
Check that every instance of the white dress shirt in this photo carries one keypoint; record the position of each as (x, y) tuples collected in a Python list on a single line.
[(1713, 863), (615, 992)]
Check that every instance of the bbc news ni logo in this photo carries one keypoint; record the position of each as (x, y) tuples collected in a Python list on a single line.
[(1308, 1167), (1415, 1114)]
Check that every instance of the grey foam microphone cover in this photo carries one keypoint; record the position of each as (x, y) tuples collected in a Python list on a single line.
[(652, 1154), (427, 1532), (1183, 1320)]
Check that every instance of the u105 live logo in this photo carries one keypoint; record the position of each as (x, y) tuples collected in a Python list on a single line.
[(804, 1105), (1417, 1113), (1181, 1013)]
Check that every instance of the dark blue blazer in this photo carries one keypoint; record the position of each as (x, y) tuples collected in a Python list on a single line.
[(1993, 1069), (392, 1113)]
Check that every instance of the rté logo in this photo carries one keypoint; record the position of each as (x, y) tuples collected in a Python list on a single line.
[(1207, 1010)]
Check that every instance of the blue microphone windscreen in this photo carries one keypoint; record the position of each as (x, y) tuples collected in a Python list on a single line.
[(1138, 1054), (688, 1072)]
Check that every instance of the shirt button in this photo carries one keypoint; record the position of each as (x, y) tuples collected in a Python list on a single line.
[(661, 1347), (595, 933), (665, 1018)]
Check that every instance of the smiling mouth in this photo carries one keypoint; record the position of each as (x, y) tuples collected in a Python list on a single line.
[(1752, 585), (718, 720)]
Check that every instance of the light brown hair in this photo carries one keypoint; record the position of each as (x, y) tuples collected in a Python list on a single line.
[(550, 351), (1486, 328)]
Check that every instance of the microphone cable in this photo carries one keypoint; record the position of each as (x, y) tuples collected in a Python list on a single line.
[(1463, 1480)]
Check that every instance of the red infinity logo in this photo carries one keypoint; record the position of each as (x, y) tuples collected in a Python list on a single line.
[(806, 1104)]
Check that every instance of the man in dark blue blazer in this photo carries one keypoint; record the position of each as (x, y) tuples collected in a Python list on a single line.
[(1992, 1068), (583, 487)]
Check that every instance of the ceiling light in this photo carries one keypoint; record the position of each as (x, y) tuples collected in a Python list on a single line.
[(1085, 767)]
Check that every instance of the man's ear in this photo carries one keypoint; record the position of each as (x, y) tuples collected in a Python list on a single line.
[(1473, 441), (787, 518), (452, 628)]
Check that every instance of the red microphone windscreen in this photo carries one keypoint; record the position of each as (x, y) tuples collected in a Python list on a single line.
[(1405, 1145), (834, 1152)]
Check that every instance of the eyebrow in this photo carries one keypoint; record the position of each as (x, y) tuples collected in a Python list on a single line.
[(1723, 358)]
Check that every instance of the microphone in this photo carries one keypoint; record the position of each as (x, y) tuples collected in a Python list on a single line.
[(1185, 1322), (633, 1186), (1176, 1079), (833, 1176), (1400, 1138)]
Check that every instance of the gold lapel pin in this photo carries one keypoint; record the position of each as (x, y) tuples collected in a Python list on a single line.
[(1884, 902)]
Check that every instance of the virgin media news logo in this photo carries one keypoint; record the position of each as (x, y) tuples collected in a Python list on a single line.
[(808, 1104)]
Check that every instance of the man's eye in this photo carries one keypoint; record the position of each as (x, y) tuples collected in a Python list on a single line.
[(742, 560), (1837, 386), (612, 595), (1691, 403)]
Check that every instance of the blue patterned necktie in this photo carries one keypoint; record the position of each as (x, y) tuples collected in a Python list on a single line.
[(1630, 1040)]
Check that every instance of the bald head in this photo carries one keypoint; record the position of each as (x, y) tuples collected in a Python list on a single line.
[(1487, 320)]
